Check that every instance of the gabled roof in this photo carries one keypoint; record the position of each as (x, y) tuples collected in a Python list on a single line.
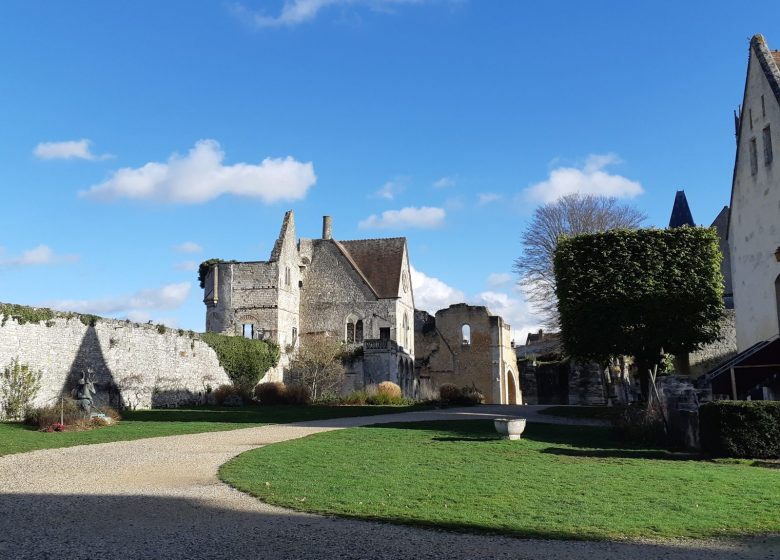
[(681, 212), (379, 261)]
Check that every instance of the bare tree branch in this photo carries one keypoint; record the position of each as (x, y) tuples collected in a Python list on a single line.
[(570, 215)]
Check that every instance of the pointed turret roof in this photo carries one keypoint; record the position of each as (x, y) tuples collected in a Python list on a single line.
[(681, 212)]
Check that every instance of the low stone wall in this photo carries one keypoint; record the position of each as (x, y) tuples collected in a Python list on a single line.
[(136, 366), (719, 351)]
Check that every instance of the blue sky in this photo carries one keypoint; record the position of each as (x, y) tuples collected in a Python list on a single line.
[(139, 138)]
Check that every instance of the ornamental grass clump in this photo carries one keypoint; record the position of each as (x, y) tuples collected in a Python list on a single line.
[(276, 392), (355, 398), (224, 392), (386, 393)]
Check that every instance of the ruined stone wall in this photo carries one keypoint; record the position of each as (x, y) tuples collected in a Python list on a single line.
[(133, 365), (719, 351), (485, 362)]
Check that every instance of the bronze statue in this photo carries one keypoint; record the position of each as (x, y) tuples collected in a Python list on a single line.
[(83, 393)]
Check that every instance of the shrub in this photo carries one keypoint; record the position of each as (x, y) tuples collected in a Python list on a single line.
[(19, 386), (246, 361), (741, 429), (355, 398), (470, 396), (637, 424), (390, 389), (223, 392), (298, 394), (276, 392), (271, 392), (67, 413), (449, 392)]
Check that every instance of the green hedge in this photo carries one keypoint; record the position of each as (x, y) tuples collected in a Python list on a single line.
[(741, 429), (637, 291), (246, 361)]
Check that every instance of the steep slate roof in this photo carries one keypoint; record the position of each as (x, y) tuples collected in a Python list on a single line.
[(379, 261), (681, 212)]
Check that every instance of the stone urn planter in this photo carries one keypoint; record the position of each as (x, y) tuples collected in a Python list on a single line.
[(510, 428)]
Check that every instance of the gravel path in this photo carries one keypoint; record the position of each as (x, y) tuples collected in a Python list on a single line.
[(160, 498)]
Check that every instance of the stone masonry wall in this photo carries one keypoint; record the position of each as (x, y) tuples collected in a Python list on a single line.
[(133, 365), (719, 351)]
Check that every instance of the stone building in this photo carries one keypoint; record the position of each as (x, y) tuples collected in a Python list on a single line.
[(754, 224), (466, 345), (358, 291)]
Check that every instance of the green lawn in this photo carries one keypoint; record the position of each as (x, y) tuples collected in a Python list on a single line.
[(18, 438), (559, 482)]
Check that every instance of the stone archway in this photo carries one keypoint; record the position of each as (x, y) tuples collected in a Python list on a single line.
[(511, 386)]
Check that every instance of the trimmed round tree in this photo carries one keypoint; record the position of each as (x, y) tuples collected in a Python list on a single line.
[(638, 292)]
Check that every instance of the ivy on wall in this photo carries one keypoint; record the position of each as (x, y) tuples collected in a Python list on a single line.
[(246, 361)]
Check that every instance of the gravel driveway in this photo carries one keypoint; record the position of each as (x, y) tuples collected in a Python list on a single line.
[(160, 498)]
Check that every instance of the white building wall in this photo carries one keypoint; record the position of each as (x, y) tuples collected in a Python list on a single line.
[(754, 229)]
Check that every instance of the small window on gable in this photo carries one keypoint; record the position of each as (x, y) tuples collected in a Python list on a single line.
[(359, 331), (750, 117), (466, 332), (350, 332), (753, 157), (763, 107), (248, 330), (767, 146), (287, 276), (294, 335)]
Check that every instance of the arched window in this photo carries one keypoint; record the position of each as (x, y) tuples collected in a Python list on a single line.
[(406, 332), (350, 332), (359, 331), (466, 334), (248, 330)]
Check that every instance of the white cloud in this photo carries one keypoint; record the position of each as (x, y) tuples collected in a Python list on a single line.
[(40, 255), (487, 198), (444, 183), (390, 190), (200, 176), (590, 179), (168, 297), (295, 12), (431, 294), (188, 247), (186, 265), (424, 217), (496, 279), (71, 149)]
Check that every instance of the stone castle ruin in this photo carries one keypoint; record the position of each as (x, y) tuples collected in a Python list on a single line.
[(358, 291)]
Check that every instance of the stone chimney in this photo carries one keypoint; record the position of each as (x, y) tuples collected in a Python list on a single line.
[(327, 227)]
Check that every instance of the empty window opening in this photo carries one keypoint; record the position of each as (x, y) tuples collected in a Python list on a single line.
[(384, 333), (750, 116), (248, 330), (359, 331), (763, 107), (294, 335), (287, 276), (753, 157), (350, 332), (767, 146), (466, 332)]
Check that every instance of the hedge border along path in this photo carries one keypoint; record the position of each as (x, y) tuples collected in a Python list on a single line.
[(160, 498)]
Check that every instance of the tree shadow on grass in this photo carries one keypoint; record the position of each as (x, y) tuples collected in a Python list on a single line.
[(656, 454), (88, 526)]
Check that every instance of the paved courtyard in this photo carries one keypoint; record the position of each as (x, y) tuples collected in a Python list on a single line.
[(160, 498)]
